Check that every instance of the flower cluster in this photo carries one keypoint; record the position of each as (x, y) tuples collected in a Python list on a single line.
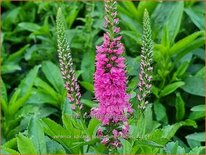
[(110, 82), (110, 77), (145, 75), (66, 65)]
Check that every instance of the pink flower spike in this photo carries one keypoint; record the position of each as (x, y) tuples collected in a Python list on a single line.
[(114, 14), (110, 82), (118, 39), (113, 58), (108, 65), (66, 64), (146, 68), (105, 140), (138, 97), (150, 78), (106, 19), (140, 84), (73, 107), (115, 133), (148, 86), (116, 30), (150, 68), (116, 20), (99, 132), (81, 106)]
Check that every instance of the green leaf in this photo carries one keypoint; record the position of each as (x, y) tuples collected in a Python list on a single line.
[(141, 7), (10, 68), (201, 73), (66, 107), (15, 96), (89, 103), (148, 143), (189, 122), (196, 115), (199, 53), (68, 120), (133, 94), (159, 51), (14, 106), (156, 136), (36, 133), (87, 66), (198, 108), (197, 150), (183, 44), (195, 139), (27, 83), (132, 84), (128, 8), (155, 91), (174, 20), (25, 145), (87, 86), (40, 97), (131, 24), (92, 127), (73, 126), (170, 13), (17, 56), (53, 75), (199, 42), (129, 5), (54, 147), (160, 112), (196, 16), (133, 35), (148, 118), (180, 107), (180, 70), (6, 150), (78, 73), (60, 134), (127, 147), (194, 85), (56, 132), (133, 65), (12, 17), (27, 110), (45, 111), (30, 51), (165, 37), (40, 111), (32, 27), (170, 130), (145, 123), (73, 14), (170, 88), (43, 86), (200, 137), (4, 106), (174, 148), (4, 98), (12, 143), (15, 126)]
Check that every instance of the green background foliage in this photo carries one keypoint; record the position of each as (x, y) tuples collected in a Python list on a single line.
[(35, 112)]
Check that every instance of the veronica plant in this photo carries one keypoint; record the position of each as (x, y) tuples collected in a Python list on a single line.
[(110, 82), (66, 65), (145, 75)]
